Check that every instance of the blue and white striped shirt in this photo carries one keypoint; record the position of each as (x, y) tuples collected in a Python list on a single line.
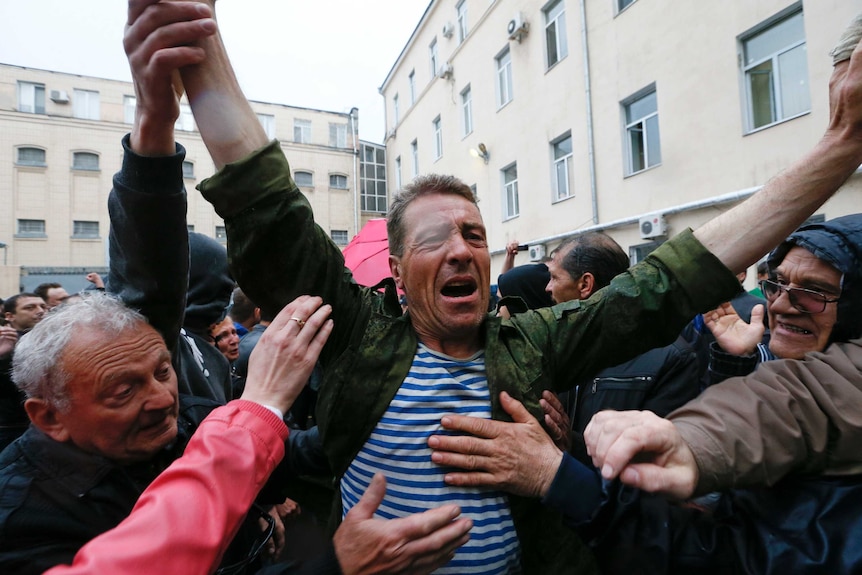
[(398, 447)]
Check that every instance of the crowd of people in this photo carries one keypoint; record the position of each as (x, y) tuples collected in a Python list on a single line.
[(606, 420)]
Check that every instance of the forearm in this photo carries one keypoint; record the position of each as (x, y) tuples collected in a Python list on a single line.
[(203, 498), (229, 127)]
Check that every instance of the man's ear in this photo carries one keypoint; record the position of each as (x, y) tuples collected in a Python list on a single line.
[(395, 269), (256, 315), (586, 285), (46, 418), (9, 316)]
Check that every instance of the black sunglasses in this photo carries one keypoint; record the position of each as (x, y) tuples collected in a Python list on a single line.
[(804, 300)]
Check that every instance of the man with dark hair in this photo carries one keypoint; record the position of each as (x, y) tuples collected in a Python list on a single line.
[(53, 293), (583, 264), (244, 312), (24, 310)]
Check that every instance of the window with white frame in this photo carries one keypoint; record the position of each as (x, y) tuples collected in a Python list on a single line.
[(303, 179), (339, 237), (396, 113), (511, 208), (221, 233), (188, 170), (563, 172), (438, 138), (466, 111), (129, 103), (398, 173), (555, 32), (31, 98), (302, 131), (31, 229), (338, 181), (338, 135), (433, 56), (85, 229), (461, 18), (186, 121), (85, 104), (373, 195), (31, 157), (414, 153), (504, 78), (411, 79), (85, 161), (268, 123), (643, 146), (775, 68)]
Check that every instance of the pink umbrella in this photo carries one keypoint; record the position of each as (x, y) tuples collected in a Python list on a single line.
[(367, 254)]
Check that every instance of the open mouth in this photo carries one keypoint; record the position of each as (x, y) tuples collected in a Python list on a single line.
[(459, 289), (795, 329)]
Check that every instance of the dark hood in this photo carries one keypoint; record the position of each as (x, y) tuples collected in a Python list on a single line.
[(839, 243), (210, 284)]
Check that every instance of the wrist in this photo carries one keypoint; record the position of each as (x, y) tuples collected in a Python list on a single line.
[(151, 138)]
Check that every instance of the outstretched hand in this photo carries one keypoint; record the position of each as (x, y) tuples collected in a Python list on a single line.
[(518, 457), (731, 332), (282, 361), (643, 450), (157, 43), (416, 544)]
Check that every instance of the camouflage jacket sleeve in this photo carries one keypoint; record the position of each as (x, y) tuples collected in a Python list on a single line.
[(789, 415)]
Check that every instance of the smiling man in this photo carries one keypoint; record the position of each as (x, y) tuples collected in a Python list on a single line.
[(447, 355)]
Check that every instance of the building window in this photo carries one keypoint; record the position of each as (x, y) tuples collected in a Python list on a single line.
[(190, 228), (395, 111), (339, 237), (642, 137), (373, 190), (510, 192), (432, 54), (302, 131), (188, 170), (438, 138), (414, 153), (338, 135), (623, 4), (555, 33), (775, 67), (31, 98), (31, 229), (186, 121), (411, 79), (398, 173), (85, 104), (338, 181), (303, 179), (504, 78), (221, 233), (31, 157), (466, 111), (268, 123), (129, 103), (639, 252), (461, 17), (85, 161), (563, 172), (85, 230)]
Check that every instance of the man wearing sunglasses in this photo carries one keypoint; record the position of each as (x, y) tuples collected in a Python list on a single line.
[(812, 300)]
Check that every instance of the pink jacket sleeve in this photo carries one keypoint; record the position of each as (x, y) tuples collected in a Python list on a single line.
[(184, 520)]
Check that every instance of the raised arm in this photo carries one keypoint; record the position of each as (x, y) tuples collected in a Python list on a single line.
[(736, 236)]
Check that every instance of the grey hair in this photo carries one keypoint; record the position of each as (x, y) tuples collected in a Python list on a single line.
[(420, 186), (36, 368)]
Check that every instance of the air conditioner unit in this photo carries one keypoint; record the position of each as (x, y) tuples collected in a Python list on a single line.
[(652, 226), (446, 71), (59, 96), (448, 29), (517, 27), (537, 252)]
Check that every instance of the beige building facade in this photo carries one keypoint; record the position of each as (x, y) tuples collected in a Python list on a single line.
[(60, 147), (636, 117)]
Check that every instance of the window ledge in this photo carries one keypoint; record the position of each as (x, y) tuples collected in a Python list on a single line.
[(36, 166), (90, 171), (31, 236), (561, 200), (86, 238), (641, 171), (776, 123)]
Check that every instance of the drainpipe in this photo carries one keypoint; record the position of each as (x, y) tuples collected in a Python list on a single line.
[(354, 112), (591, 144)]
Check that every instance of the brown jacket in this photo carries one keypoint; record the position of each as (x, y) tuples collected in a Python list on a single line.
[(789, 415)]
